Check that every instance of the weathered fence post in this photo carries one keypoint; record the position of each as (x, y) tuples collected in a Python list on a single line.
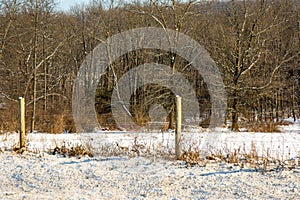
[(22, 122), (178, 128)]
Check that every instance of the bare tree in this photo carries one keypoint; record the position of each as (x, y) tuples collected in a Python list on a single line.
[(245, 33)]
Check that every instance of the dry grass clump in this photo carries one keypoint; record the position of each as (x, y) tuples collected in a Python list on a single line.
[(19, 150), (241, 158), (116, 149), (265, 127), (8, 119), (76, 151), (55, 123), (107, 120), (53, 120), (191, 157)]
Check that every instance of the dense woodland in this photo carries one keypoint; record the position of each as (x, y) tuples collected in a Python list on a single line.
[(255, 44)]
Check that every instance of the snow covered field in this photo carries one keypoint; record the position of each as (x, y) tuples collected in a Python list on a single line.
[(49, 177), (38, 175)]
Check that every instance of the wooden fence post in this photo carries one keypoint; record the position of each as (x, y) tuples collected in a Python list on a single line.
[(178, 128), (22, 122)]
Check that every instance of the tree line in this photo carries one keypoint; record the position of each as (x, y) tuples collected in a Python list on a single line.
[(255, 45)]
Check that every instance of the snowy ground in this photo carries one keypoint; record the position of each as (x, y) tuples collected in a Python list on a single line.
[(30, 177), (39, 175)]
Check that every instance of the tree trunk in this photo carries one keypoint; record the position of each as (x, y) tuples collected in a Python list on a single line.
[(293, 103), (35, 68), (234, 113)]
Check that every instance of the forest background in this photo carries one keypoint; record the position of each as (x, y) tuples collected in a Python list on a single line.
[(254, 43)]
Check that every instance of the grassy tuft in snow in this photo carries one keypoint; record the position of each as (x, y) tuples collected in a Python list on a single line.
[(76, 151)]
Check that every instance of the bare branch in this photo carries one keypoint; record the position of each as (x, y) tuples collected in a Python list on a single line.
[(8, 97)]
